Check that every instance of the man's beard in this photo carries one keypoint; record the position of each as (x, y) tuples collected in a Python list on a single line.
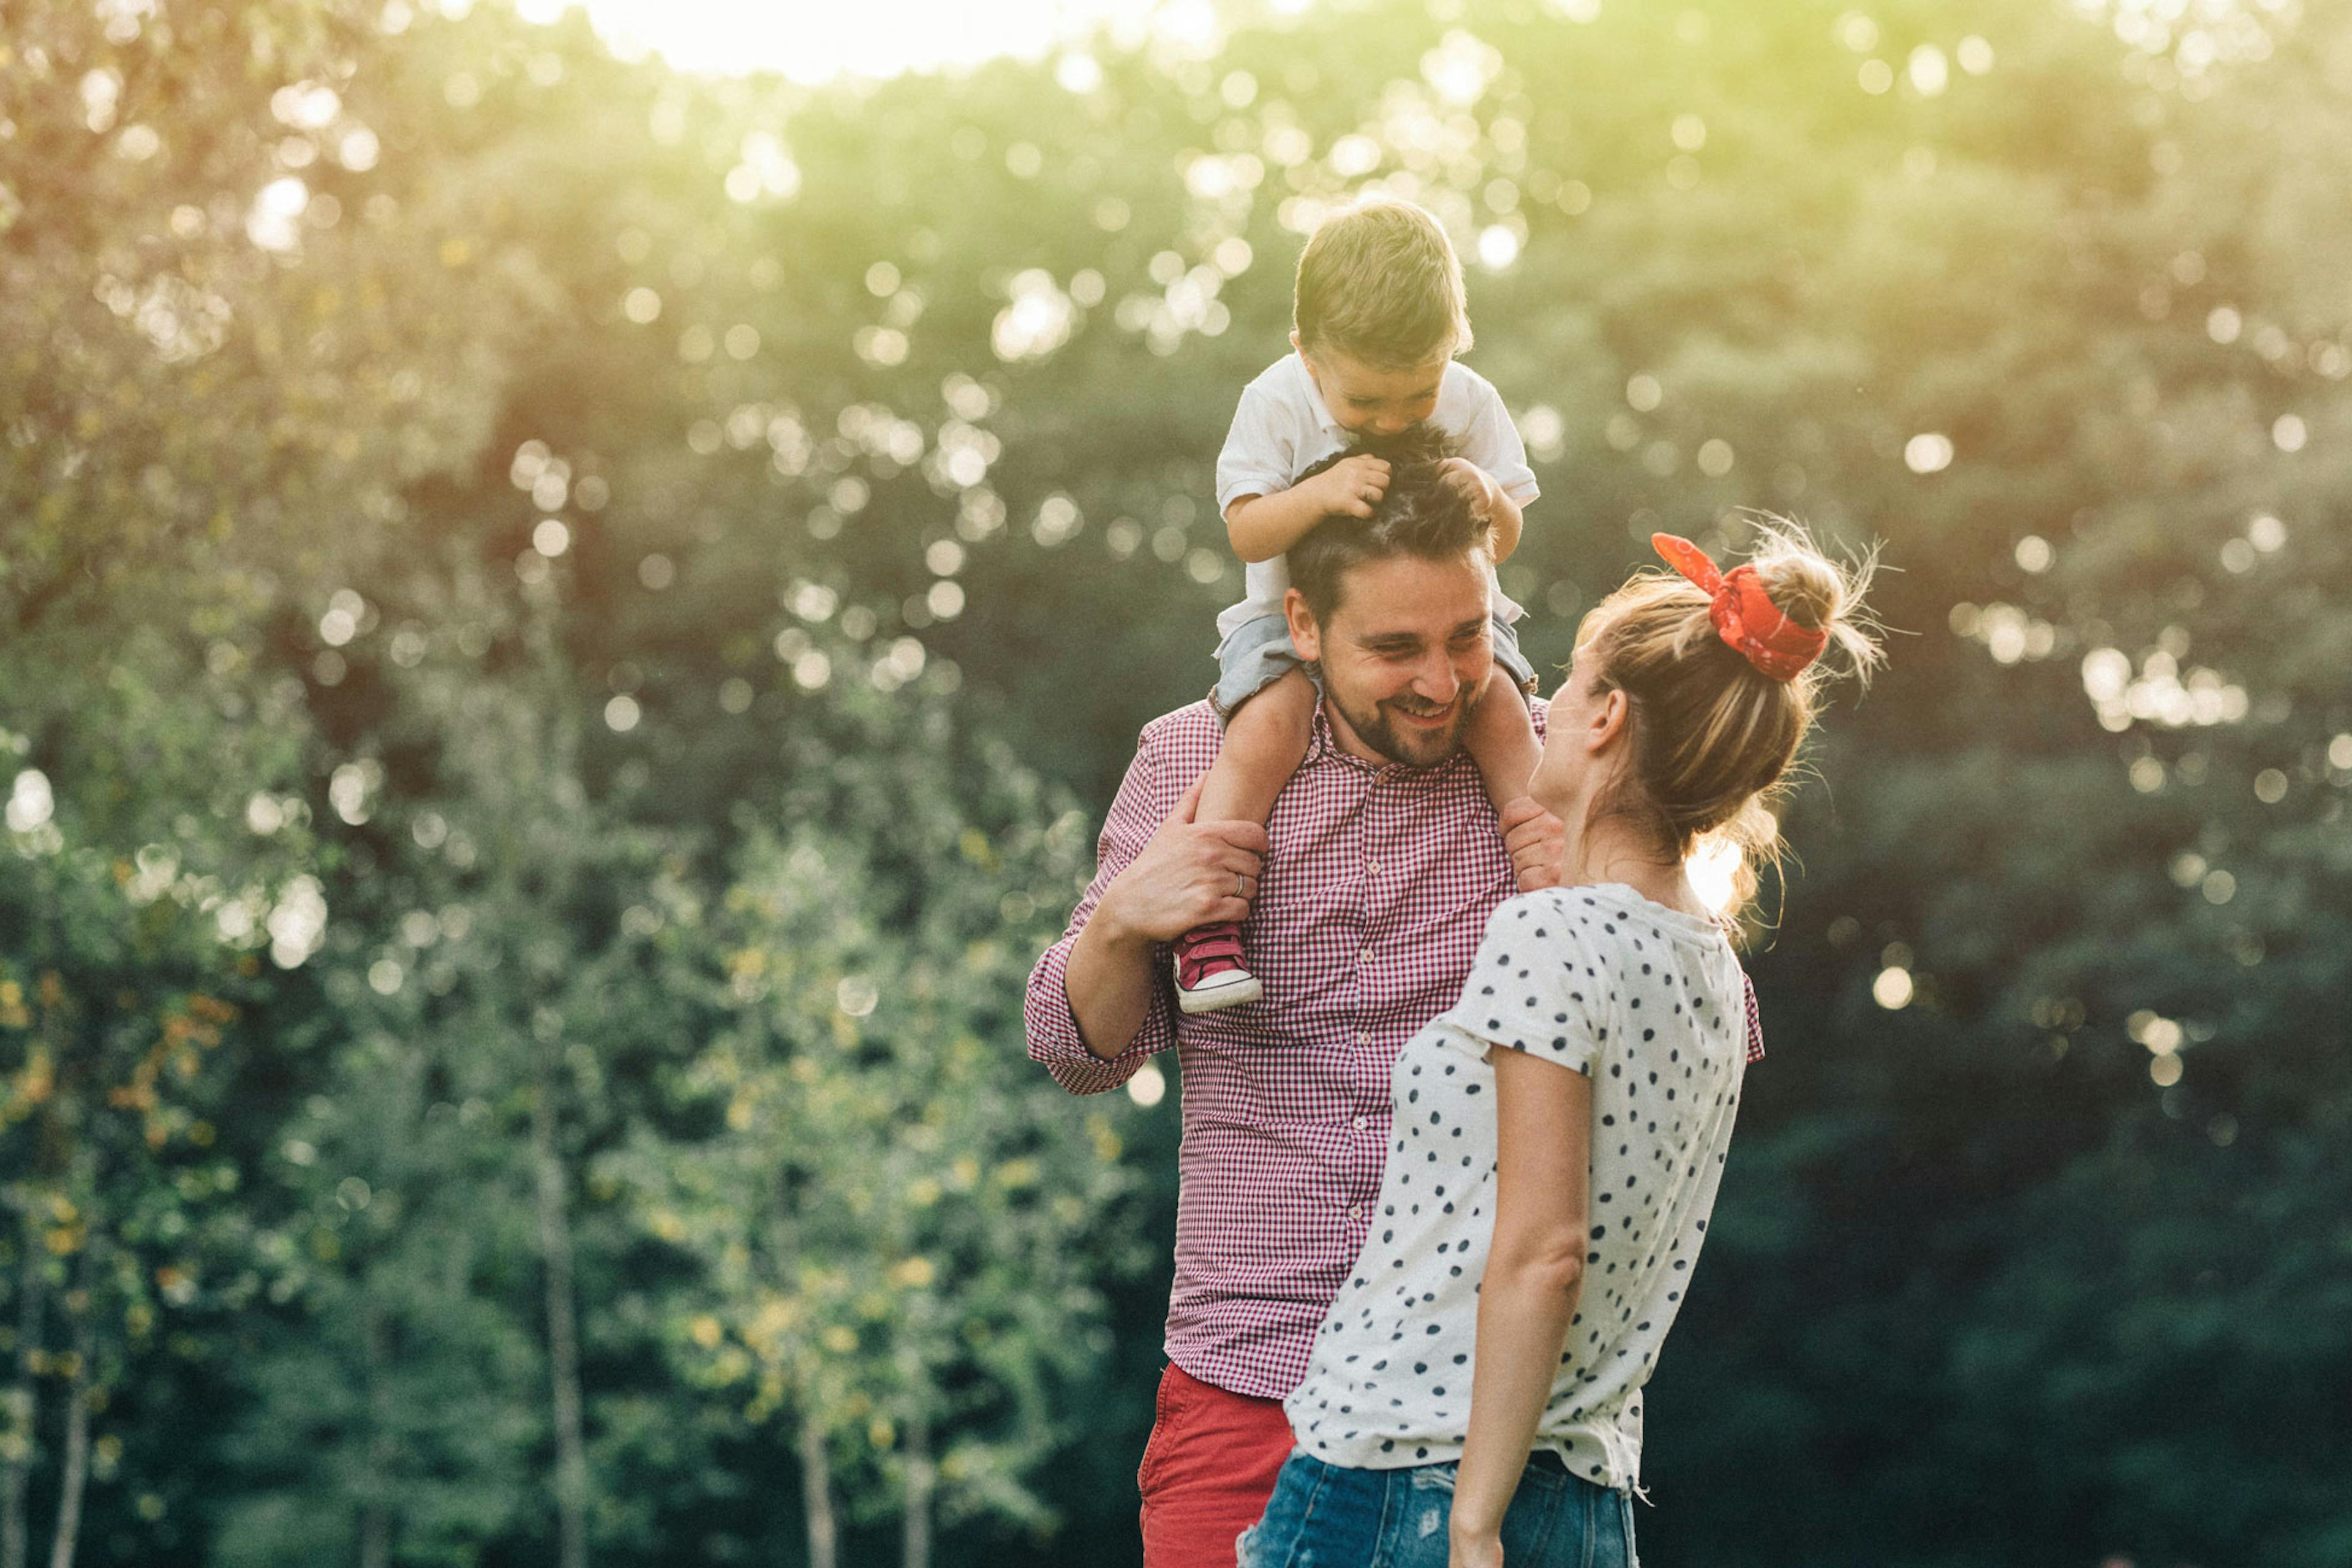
[(1401, 743)]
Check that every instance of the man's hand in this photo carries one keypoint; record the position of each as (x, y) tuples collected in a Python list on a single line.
[(1353, 486), (1189, 874), (1538, 842)]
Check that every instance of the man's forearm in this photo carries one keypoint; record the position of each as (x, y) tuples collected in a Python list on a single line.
[(1109, 984)]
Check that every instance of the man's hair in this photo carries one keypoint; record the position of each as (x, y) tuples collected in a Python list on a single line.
[(1425, 513), (1380, 282)]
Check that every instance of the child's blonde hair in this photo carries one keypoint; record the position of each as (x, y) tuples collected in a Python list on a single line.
[(1715, 737), (1378, 281)]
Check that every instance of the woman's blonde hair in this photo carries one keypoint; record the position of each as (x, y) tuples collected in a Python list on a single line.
[(1714, 738)]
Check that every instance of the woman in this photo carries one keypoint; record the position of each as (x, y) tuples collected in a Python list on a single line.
[(1560, 1132)]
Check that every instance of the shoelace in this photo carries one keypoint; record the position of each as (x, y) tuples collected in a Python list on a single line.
[(1209, 950)]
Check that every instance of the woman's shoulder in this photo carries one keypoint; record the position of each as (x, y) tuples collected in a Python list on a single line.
[(1582, 905), (1601, 920)]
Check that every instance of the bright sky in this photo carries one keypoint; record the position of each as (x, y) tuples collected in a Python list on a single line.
[(814, 40)]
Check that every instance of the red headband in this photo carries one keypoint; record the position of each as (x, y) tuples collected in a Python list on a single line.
[(1744, 614)]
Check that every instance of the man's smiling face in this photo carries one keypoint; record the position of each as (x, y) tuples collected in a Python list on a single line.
[(1403, 654)]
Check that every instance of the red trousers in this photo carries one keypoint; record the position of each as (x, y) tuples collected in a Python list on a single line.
[(1207, 1470)]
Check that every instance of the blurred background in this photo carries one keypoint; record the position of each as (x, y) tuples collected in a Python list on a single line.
[(574, 588)]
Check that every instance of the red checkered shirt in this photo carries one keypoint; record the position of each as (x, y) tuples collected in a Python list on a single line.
[(1372, 902)]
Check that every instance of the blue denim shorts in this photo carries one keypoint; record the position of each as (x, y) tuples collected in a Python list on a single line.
[(1323, 1515), (1258, 653)]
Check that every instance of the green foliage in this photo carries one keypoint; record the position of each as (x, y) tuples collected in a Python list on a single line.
[(556, 615)]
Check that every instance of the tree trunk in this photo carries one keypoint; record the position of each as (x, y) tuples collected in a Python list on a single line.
[(923, 1482), (24, 1398), (75, 1477), (375, 1536), (816, 1494), (562, 1331), (376, 1501)]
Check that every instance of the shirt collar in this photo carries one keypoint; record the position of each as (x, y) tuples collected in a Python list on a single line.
[(1323, 745)]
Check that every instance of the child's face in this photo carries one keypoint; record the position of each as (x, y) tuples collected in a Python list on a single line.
[(1367, 398)]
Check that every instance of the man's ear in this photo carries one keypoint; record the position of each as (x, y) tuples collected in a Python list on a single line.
[(1306, 637), (1611, 717)]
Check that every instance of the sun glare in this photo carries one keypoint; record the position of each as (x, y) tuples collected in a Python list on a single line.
[(1713, 870), (813, 42)]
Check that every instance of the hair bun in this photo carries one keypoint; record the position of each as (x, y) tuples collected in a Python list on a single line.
[(1818, 592)]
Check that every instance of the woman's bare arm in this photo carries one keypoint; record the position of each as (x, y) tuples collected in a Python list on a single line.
[(1535, 1277)]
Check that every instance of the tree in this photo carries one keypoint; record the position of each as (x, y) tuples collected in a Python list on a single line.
[(901, 1237)]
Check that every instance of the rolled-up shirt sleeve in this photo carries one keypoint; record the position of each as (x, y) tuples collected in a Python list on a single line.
[(1053, 1029)]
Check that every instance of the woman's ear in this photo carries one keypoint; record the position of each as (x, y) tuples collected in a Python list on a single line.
[(1610, 717)]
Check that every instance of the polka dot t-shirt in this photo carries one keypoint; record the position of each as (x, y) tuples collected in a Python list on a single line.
[(1649, 1003)]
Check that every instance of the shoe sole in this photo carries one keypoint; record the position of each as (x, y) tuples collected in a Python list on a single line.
[(1232, 995)]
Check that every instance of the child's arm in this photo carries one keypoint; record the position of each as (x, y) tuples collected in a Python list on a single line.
[(1501, 509), (1264, 526)]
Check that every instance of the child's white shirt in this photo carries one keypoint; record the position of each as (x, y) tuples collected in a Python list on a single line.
[(1282, 430)]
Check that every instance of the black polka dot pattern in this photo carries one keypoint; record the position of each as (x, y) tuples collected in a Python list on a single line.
[(1649, 1005)]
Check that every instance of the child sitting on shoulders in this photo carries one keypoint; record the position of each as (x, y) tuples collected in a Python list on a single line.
[(1378, 313)]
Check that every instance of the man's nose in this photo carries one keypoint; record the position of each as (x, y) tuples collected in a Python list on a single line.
[(1436, 681)]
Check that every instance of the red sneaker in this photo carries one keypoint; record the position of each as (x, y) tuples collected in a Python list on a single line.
[(1210, 973)]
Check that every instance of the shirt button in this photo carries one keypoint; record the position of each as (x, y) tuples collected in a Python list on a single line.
[(1364, 1037), (1363, 1122), (1374, 869), (1355, 1211)]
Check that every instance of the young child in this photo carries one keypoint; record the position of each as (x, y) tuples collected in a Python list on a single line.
[(1378, 316)]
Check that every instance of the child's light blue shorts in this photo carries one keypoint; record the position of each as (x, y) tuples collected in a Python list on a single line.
[(1258, 653)]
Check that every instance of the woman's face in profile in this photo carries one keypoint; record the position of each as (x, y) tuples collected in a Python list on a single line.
[(1567, 751)]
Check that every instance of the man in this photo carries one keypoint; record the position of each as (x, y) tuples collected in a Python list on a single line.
[(1385, 862)]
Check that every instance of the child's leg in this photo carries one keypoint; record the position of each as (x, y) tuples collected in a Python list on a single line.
[(1266, 741), (1501, 739)]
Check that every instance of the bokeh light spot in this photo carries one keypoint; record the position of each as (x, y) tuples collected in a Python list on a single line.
[(1931, 452)]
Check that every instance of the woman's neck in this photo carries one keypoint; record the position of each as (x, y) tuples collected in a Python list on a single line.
[(1635, 865), (1609, 849)]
